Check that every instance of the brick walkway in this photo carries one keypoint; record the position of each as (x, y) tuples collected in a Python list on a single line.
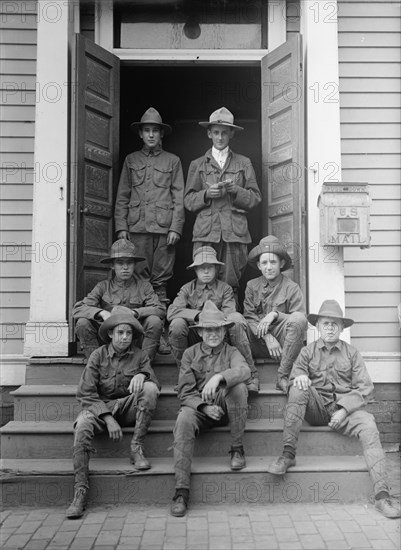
[(283, 526)]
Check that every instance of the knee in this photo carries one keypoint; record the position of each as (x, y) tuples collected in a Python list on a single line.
[(83, 325), (236, 318), (84, 423), (238, 393), (150, 394), (178, 327), (368, 432), (297, 395), (298, 319), (153, 322), (185, 424)]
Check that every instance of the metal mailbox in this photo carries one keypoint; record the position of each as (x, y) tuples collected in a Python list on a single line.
[(345, 214)]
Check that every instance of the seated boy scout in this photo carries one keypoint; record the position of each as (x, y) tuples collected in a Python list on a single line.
[(274, 308), (212, 392), (221, 188), (124, 288), (330, 385), (149, 206), (118, 388), (187, 306)]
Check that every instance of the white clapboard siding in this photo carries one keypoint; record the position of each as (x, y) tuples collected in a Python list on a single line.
[(369, 36), (18, 88)]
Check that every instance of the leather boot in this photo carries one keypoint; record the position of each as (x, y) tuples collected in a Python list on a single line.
[(238, 461), (137, 457), (179, 503), (78, 505)]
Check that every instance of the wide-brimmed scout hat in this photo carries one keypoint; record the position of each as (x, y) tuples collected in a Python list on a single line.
[(204, 255), (120, 315), (272, 245), (122, 248), (221, 116), (211, 316), (151, 116), (330, 308)]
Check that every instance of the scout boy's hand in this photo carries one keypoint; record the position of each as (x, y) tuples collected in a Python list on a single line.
[(264, 325), (302, 382), (172, 238), (273, 346), (215, 191), (209, 391), (123, 235), (136, 383), (337, 419), (231, 187), (113, 427), (213, 411)]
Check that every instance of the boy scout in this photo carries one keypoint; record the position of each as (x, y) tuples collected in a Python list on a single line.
[(149, 206), (274, 308), (221, 187), (330, 385), (124, 288), (212, 391), (118, 388), (187, 306)]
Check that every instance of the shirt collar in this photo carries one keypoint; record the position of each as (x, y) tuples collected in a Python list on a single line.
[(273, 284), (320, 344), (207, 350), (113, 353), (155, 151), (124, 284), (202, 286)]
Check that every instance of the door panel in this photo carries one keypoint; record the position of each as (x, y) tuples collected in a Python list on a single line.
[(94, 149), (282, 151)]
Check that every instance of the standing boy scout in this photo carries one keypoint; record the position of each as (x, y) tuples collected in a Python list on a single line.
[(187, 307), (212, 391), (124, 288), (221, 188), (274, 308), (330, 386), (117, 388), (149, 206)]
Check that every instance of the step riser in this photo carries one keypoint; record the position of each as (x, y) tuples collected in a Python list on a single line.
[(159, 444), (66, 408), (166, 374), (212, 489)]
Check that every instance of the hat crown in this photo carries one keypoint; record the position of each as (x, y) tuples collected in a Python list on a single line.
[(151, 116), (205, 255), (330, 308), (210, 315), (221, 115), (122, 248)]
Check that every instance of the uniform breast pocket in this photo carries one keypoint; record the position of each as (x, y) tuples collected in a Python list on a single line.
[(239, 223), (344, 370), (162, 177), (278, 304), (134, 212), (137, 172), (203, 223), (164, 214)]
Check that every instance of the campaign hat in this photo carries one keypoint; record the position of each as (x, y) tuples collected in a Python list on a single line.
[(204, 255), (221, 116), (122, 248), (211, 316), (330, 308), (151, 116), (269, 244), (120, 315)]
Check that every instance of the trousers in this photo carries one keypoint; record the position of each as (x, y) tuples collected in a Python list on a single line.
[(190, 422), (290, 333), (135, 410), (87, 332), (160, 257), (361, 424)]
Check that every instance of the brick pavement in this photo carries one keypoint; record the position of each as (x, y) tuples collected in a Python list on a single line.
[(234, 527)]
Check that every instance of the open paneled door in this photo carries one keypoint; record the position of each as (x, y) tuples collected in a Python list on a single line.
[(94, 166), (283, 152)]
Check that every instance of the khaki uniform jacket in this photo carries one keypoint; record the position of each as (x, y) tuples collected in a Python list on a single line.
[(223, 218), (150, 196), (136, 294)]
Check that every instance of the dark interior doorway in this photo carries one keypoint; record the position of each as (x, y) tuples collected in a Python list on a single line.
[(184, 96)]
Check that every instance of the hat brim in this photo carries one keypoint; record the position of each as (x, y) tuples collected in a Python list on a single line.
[(213, 325), (207, 124), (134, 126), (109, 260), (313, 318), (257, 251), (197, 264), (119, 319)]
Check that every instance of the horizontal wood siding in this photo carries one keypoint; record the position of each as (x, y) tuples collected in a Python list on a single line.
[(18, 90), (370, 85)]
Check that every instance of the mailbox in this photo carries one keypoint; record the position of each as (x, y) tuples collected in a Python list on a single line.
[(344, 214)]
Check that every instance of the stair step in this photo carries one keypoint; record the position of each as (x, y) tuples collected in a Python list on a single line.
[(262, 437), (53, 403), (328, 479), (62, 370)]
